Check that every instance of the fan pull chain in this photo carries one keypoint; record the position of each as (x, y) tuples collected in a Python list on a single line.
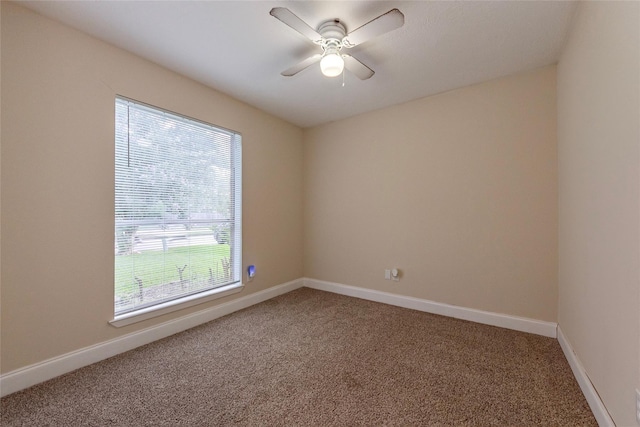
[(343, 77)]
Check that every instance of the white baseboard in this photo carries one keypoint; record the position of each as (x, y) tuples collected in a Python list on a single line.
[(523, 324), (26, 377), (593, 399)]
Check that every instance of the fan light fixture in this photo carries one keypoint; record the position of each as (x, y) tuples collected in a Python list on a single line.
[(332, 64), (332, 36)]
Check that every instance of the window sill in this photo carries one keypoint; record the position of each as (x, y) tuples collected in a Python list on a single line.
[(175, 305)]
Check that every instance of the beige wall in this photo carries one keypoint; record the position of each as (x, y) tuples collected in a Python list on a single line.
[(599, 184), (0, 188), (58, 176), (458, 190)]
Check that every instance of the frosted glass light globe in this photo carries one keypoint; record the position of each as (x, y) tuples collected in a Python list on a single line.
[(332, 64)]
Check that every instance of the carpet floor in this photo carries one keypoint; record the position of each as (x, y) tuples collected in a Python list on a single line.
[(315, 358)]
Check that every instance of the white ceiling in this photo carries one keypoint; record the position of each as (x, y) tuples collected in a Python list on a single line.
[(237, 48)]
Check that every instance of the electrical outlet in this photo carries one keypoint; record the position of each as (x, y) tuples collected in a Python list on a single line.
[(638, 406), (387, 274)]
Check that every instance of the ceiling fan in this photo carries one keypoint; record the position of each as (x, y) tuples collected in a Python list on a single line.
[(332, 36)]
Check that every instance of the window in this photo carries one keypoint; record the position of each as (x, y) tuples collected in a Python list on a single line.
[(177, 209)]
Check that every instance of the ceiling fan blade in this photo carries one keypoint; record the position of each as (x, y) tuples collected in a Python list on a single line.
[(287, 17), (380, 25), (302, 65), (358, 68)]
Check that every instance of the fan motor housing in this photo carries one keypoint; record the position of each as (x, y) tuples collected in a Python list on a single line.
[(332, 30)]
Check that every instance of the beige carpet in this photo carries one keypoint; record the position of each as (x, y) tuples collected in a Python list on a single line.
[(317, 359)]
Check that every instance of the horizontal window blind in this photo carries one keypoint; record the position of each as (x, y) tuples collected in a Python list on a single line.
[(177, 206)]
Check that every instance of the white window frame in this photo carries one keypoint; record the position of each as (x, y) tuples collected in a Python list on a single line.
[(199, 297)]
